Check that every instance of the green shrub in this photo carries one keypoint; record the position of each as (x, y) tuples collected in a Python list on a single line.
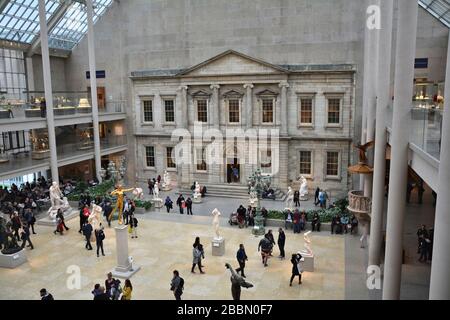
[(143, 204)]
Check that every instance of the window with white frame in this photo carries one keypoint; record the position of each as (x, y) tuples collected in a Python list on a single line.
[(150, 156), (169, 108), (12, 74), (233, 111), (169, 159), (266, 161), (147, 109), (305, 163), (334, 111), (200, 155), (306, 111), (202, 110), (332, 169), (267, 110)]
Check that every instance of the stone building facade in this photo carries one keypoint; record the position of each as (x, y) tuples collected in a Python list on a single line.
[(307, 110)]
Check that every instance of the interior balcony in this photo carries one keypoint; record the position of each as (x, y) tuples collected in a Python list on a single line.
[(359, 205), (30, 161)]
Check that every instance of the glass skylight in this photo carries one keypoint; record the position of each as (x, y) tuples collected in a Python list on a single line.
[(440, 9)]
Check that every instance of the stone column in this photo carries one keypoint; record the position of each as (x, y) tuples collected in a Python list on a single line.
[(183, 122), (48, 91), (383, 80), (124, 268), (249, 104), (284, 112), (440, 266), (92, 71), (215, 106), (404, 76)]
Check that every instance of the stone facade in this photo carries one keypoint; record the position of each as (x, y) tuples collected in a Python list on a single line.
[(235, 89)]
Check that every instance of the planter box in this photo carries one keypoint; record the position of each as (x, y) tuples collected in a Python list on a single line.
[(324, 226), (4, 114), (63, 111), (84, 110), (32, 113)]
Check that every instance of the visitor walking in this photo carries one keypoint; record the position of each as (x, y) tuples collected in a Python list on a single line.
[(189, 206), (281, 242), (296, 221), (168, 203), (422, 232), (45, 295), (87, 232), (181, 203), (133, 226), (297, 268), (109, 283), (127, 290), (151, 185), (177, 285), (197, 253), (297, 198), (316, 196), (99, 237), (265, 246), (126, 210), (107, 212), (25, 236), (16, 224), (241, 257)]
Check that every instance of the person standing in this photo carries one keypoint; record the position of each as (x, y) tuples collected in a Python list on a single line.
[(177, 285), (422, 232), (296, 221), (133, 226), (281, 242), (107, 212), (189, 206), (101, 295), (60, 216), (126, 211), (109, 282), (241, 257), (269, 235), (297, 198), (316, 196), (150, 186), (87, 232), (168, 203), (197, 253), (26, 236), (16, 224), (181, 203), (265, 246), (127, 290), (297, 268), (45, 296), (99, 237), (315, 222)]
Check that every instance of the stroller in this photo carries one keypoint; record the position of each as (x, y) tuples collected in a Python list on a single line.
[(233, 219)]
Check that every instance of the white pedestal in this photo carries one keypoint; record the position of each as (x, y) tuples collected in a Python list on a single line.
[(308, 264), (47, 221), (304, 198), (166, 188), (14, 260), (157, 203), (124, 268), (197, 200), (218, 247)]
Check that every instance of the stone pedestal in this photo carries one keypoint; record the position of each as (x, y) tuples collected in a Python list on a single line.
[(308, 264), (304, 198), (51, 222), (157, 203), (218, 247), (197, 200), (14, 260), (124, 268), (166, 188)]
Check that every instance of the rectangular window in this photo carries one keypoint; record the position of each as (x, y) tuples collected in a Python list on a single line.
[(12, 74), (170, 162), (267, 111), (148, 110), (150, 156), (306, 111), (333, 163), (305, 162), (334, 111), (202, 110), (201, 159), (266, 161), (170, 110), (233, 111)]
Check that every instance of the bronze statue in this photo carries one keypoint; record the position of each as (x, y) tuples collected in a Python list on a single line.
[(362, 167), (8, 242), (237, 282)]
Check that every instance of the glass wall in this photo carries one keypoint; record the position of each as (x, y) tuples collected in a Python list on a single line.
[(12, 77)]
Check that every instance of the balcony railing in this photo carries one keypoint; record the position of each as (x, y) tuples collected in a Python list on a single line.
[(359, 205)]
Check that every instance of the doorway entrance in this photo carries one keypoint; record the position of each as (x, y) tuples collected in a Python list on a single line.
[(233, 170)]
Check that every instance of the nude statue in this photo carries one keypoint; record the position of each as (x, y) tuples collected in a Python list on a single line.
[(215, 223), (290, 198)]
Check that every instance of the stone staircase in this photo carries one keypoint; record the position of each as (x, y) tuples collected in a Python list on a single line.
[(231, 191)]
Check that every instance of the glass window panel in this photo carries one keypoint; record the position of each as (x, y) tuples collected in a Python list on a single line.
[(332, 163), (202, 111)]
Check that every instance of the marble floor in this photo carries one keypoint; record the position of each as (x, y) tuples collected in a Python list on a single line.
[(164, 245)]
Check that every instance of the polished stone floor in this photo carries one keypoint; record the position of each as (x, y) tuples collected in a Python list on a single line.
[(164, 245)]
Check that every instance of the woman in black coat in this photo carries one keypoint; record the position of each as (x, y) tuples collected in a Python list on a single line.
[(295, 260)]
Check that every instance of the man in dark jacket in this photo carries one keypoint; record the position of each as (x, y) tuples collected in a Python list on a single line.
[(281, 242), (265, 246), (107, 212), (99, 237), (180, 202), (87, 232), (241, 257), (189, 206), (45, 295), (177, 285), (102, 295), (26, 236)]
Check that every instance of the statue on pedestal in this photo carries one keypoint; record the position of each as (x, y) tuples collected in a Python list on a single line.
[(215, 223), (8, 242), (237, 282), (57, 200), (258, 183), (95, 218), (166, 181), (303, 188), (138, 194), (307, 251), (290, 198), (119, 192), (156, 191), (197, 193)]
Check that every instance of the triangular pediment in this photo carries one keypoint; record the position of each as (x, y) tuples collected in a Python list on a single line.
[(232, 62), (200, 93), (267, 92), (232, 93)]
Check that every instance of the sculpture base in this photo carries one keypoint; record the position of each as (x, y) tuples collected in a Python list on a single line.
[(197, 200), (258, 230), (158, 203), (166, 188), (14, 260), (304, 198), (51, 222), (308, 264), (218, 247), (125, 273)]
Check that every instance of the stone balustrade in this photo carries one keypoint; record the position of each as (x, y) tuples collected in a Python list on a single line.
[(359, 205)]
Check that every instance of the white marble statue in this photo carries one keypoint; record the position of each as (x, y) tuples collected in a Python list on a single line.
[(215, 223), (138, 193), (57, 200), (290, 198), (307, 251), (303, 187), (166, 179), (156, 191), (96, 217), (197, 193)]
